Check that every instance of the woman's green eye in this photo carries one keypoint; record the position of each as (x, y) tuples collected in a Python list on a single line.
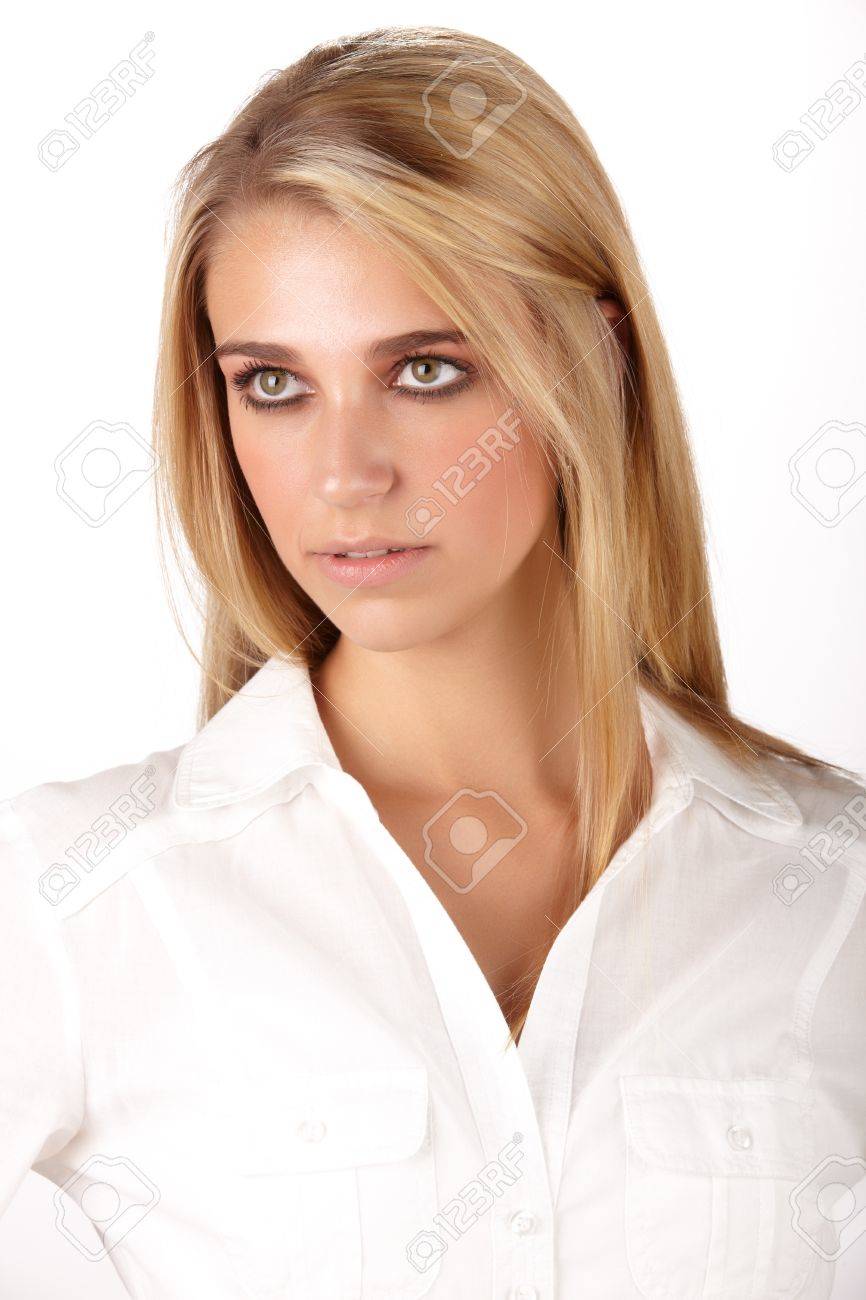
[(272, 383), (425, 368), (425, 371)]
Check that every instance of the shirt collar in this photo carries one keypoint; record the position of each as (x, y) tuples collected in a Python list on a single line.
[(696, 759), (271, 727)]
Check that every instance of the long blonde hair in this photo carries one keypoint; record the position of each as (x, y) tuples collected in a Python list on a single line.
[(513, 219)]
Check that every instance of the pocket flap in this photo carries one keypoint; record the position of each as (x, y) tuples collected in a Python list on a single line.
[(335, 1119), (757, 1127)]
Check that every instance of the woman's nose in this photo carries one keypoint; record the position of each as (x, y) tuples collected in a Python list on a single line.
[(353, 462)]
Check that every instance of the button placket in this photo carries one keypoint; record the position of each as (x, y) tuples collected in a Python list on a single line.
[(495, 1078)]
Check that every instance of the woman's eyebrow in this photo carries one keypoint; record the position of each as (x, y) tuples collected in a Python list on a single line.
[(382, 348)]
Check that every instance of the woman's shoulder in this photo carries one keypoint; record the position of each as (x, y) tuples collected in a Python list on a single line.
[(821, 794), (70, 838), (829, 833), (73, 839), (782, 801)]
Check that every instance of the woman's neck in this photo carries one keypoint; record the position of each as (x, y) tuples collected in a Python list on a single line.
[(478, 708)]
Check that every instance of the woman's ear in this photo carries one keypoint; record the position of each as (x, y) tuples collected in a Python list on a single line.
[(617, 320)]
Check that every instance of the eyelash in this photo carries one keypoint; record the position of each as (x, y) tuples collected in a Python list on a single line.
[(245, 375)]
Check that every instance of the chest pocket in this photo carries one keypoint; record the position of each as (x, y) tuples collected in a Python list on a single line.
[(333, 1189), (710, 1165)]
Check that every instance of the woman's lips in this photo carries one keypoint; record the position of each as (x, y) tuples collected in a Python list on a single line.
[(372, 572)]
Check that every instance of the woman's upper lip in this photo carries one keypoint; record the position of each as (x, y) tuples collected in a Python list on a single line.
[(339, 546)]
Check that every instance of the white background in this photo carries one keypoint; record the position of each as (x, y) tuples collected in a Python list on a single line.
[(757, 272)]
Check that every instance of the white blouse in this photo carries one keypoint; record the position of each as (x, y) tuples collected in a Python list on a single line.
[(246, 1041)]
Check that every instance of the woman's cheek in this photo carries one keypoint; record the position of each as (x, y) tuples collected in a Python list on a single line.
[(511, 503), (274, 479)]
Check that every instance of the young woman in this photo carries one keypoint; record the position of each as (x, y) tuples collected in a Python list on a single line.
[(472, 947)]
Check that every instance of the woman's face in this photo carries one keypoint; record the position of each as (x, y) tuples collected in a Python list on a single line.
[(345, 432)]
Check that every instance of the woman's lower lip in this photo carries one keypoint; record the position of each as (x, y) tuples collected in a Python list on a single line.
[(372, 572)]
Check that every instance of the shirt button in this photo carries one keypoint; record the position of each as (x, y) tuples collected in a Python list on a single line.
[(525, 1293), (521, 1222), (740, 1138), (311, 1130)]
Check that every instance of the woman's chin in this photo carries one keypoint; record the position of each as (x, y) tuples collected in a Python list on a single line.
[(385, 634), (389, 626)]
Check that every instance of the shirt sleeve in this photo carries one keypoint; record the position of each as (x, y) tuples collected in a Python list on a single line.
[(41, 1072)]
